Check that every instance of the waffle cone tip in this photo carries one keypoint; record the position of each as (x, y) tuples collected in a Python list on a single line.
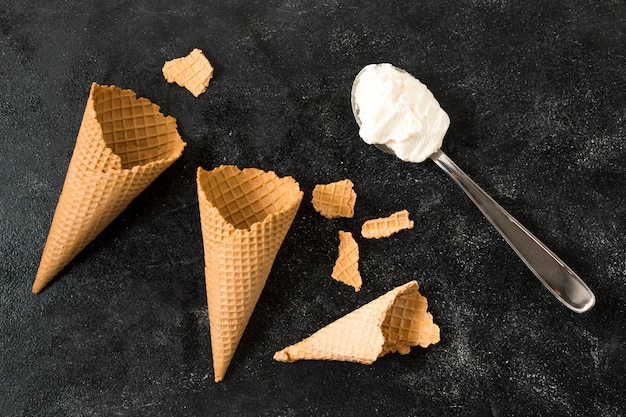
[(282, 356), (41, 280), (219, 377)]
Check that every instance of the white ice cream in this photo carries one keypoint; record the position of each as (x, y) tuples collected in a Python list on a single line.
[(398, 111)]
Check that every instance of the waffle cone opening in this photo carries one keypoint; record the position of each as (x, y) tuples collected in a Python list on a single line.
[(245, 197), (133, 128)]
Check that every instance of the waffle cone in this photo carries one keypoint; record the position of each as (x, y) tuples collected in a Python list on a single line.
[(391, 323), (386, 226), (123, 144), (245, 215)]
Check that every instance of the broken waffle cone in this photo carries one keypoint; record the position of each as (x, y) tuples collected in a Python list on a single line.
[(386, 226), (245, 215), (336, 199), (192, 72), (346, 267), (123, 144), (393, 322)]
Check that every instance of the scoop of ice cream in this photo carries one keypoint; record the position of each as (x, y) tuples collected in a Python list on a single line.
[(396, 110)]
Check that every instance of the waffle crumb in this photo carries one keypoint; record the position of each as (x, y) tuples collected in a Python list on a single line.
[(386, 226), (334, 200), (192, 72), (346, 267)]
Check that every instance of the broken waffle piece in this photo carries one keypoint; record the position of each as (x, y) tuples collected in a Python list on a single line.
[(245, 215), (346, 268), (123, 144), (386, 226), (334, 200), (393, 322), (192, 72)]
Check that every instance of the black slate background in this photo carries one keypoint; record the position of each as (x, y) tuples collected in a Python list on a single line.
[(535, 92)]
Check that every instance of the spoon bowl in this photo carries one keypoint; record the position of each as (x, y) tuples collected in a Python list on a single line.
[(557, 277)]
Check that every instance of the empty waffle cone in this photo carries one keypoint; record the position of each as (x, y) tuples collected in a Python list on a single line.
[(386, 226), (123, 144), (192, 72), (346, 267), (391, 323), (245, 215), (334, 200)]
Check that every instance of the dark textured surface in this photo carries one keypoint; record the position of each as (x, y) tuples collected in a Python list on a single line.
[(536, 98)]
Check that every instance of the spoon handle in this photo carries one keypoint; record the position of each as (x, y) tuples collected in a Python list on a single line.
[(551, 271)]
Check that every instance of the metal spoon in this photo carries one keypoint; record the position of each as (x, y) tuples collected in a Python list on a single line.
[(566, 286)]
